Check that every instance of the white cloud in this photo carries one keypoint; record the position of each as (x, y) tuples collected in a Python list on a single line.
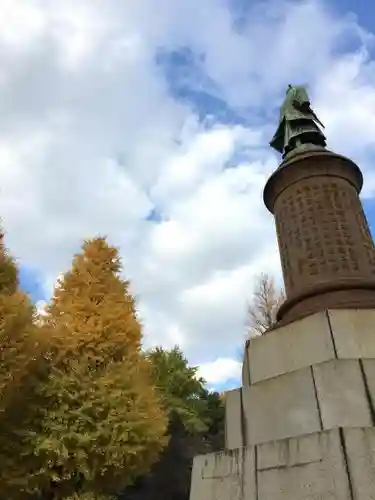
[(92, 140), (201, 160), (20, 23), (220, 370)]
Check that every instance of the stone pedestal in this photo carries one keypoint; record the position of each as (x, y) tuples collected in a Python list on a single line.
[(302, 427), (327, 253)]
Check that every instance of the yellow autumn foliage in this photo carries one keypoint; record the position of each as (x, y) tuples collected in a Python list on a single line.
[(18, 345), (104, 424), (20, 369)]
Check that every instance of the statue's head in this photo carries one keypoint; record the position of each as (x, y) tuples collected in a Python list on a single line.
[(288, 88)]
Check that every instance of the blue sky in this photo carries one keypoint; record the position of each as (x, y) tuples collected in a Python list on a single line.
[(149, 122), (363, 10), (32, 283)]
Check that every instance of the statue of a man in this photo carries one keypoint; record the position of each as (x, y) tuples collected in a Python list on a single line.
[(298, 123)]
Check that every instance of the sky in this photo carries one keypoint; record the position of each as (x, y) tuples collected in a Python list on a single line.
[(149, 122)]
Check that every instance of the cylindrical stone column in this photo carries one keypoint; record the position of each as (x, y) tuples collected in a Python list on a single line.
[(327, 252)]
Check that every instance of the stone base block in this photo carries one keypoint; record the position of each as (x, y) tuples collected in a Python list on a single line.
[(331, 465), (228, 475), (328, 395), (234, 419), (333, 334)]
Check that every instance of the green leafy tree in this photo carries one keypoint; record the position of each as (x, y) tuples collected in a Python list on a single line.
[(179, 385), (214, 416), (89, 496), (196, 426), (104, 424)]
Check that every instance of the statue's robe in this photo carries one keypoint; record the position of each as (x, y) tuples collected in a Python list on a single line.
[(297, 122)]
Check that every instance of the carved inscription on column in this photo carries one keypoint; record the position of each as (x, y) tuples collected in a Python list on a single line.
[(315, 230), (366, 239), (286, 265)]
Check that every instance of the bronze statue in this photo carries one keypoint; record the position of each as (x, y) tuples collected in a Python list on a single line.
[(298, 123)]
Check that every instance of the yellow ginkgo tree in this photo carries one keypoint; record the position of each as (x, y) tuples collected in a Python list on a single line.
[(104, 424), (22, 368)]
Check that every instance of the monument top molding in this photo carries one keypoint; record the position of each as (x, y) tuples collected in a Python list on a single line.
[(317, 159)]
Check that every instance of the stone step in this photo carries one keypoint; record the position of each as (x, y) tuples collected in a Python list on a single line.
[(338, 464)]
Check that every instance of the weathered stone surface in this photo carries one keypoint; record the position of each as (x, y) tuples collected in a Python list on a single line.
[(369, 373), (246, 368), (313, 469), (281, 407), (292, 451), (291, 347), (224, 475), (341, 394), (353, 332), (233, 427), (360, 448)]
